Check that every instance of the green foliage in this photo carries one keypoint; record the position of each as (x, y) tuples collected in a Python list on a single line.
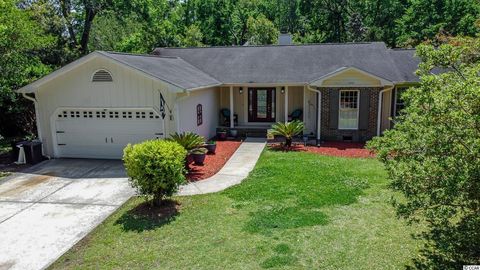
[(199, 151), (261, 31), (155, 168), (424, 19), (21, 43), (433, 154), (187, 140), (288, 130)]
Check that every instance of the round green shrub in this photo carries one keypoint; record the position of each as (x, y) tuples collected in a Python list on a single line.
[(156, 168)]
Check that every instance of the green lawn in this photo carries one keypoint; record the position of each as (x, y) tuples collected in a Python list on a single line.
[(295, 211)]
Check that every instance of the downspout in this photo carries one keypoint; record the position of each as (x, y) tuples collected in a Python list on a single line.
[(379, 108), (37, 119), (319, 112)]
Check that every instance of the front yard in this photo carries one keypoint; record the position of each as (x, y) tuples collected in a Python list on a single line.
[(296, 210)]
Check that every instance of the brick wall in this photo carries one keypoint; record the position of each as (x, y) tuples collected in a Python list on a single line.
[(334, 134)]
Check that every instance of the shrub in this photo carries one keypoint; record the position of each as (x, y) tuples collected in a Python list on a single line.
[(188, 140), (288, 130), (155, 168), (433, 155)]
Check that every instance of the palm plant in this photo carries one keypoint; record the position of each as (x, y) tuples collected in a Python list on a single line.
[(288, 130), (188, 140)]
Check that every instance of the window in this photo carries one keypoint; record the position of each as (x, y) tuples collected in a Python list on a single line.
[(399, 103), (102, 75), (348, 109), (199, 115)]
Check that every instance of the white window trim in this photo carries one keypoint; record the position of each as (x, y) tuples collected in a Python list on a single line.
[(358, 107), (397, 89)]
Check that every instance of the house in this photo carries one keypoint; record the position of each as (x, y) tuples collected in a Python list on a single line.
[(93, 107)]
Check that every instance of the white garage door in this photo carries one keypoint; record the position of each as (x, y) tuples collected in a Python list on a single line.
[(103, 133)]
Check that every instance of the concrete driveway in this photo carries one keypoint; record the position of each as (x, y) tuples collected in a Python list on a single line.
[(44, 211)]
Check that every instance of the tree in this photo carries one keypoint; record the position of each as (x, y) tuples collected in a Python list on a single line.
[(423, 19), (433, 154), (193, 37), (21, 46), (261, 31), (356, 29)]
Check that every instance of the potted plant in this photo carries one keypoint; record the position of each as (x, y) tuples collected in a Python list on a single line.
[(198, 155), (234, 132), (222, 134), (211, 147)]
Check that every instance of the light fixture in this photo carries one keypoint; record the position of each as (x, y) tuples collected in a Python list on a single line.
[(241, 90), (282, 90)]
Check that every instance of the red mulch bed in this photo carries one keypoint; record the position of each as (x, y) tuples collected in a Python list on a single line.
[(213, 163), (336, 149)]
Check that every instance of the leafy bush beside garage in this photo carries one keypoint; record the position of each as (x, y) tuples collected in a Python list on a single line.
[(156, 168)]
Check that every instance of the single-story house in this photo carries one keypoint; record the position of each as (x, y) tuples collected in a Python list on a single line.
[(94, 106)]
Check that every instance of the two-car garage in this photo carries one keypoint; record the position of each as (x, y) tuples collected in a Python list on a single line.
[(103, 133)]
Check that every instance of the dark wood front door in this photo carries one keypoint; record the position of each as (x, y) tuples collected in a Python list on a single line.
[(261, 104)]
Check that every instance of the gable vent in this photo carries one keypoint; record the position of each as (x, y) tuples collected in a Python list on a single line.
[(102, 76)]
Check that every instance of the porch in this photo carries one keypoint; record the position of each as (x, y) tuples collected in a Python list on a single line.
[(256, 107)]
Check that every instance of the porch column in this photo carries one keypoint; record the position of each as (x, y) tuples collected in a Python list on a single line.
[(305, 107), (286, 104), (232, 112)]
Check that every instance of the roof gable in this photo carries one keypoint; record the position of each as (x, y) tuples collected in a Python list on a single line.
[(350, 76), (170, 70)]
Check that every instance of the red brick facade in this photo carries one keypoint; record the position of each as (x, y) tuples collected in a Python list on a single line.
[(330, 133)]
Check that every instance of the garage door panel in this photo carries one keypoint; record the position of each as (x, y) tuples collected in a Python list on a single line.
[(85, 133), (102, 151), (112, 126)]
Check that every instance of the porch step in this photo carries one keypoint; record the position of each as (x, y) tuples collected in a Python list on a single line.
[(258, 132)]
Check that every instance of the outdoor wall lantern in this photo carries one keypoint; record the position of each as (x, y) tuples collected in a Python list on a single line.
[(241, 90), (282, 90)]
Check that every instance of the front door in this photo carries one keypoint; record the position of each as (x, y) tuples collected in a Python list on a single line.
[(261, 104)]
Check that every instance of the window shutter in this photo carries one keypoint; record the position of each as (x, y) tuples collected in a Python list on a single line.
[(364, 109), (333, 108)]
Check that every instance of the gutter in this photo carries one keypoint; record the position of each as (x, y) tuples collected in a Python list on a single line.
[(37, 118), (379, 108), (319, 111)]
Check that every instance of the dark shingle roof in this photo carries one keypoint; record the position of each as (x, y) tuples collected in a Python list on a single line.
[(295, 63), (170, 69), (406, 63)]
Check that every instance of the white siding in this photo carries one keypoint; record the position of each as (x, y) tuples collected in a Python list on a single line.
[(74, 89), (208, 98)]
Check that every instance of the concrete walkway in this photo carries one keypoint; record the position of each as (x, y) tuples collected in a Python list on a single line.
[(44, 211), (233, 172)]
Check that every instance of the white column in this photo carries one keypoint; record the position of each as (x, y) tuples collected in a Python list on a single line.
[(305, 107), (232, 112), (286, 104), (319, 115)]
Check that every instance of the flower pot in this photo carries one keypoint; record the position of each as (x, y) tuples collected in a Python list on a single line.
[(234, 133), (188, 160), (198, 158), (211, 148), (222, 135)]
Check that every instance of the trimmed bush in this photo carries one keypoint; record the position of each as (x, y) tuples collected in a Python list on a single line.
[(288, 130), (156, 168), (188, 140)]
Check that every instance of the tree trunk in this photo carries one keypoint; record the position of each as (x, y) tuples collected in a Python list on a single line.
[(288, 142), (87, 26), (65, 7)]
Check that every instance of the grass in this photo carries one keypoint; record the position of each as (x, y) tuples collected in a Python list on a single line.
[(295, 211)]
